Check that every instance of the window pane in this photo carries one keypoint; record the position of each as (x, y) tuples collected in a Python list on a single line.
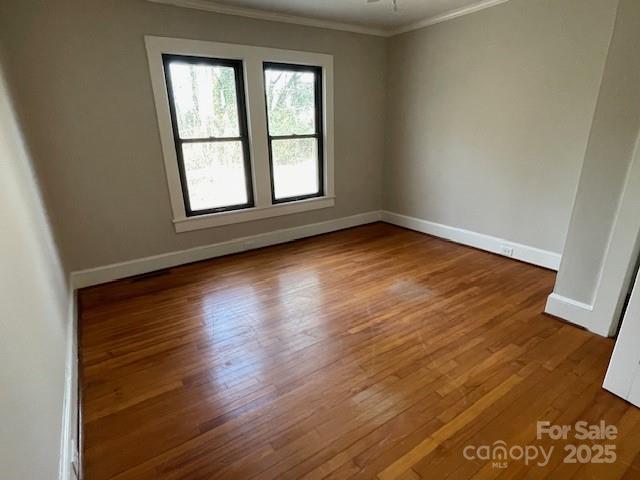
[(295, 167), (290, 102), (215, 174), (205, 100)]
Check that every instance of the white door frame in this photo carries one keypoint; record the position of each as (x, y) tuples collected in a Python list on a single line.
[(623, 375), (620, 258)]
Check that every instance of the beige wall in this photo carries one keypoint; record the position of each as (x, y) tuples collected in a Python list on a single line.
[(82, 85), (485, 118), (33, 318), (611, 144), (489, 116)]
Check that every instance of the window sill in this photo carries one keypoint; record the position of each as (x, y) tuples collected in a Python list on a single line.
[(189, 224)]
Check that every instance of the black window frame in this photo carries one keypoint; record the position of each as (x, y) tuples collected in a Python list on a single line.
[(243, 129), (319, 127)]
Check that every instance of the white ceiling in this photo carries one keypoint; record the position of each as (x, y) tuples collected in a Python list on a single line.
[(378, 16)]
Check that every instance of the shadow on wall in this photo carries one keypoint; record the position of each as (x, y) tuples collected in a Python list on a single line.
[(34, 316)]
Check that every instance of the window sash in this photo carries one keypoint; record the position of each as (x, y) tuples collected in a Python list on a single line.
[(319, 130), (237, 66)]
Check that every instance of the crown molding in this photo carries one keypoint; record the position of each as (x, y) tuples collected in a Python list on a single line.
[(212, 6), (459, 12)]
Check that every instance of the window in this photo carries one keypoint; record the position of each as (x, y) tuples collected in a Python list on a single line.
[(208, 116), (246, 132), (294, 115)]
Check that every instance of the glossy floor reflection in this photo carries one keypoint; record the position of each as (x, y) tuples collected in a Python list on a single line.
[(371, 352)]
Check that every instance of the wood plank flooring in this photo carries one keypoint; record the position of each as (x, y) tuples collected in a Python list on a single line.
[(375, 352)]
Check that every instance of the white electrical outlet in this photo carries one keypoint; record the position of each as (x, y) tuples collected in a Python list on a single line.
[(506, 250)]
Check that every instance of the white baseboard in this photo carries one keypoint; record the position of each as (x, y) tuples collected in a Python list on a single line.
[(570, 310), (68, 447), (525, 253), (117, 271)]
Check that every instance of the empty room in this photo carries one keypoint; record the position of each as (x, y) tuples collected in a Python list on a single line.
[(303, 239)]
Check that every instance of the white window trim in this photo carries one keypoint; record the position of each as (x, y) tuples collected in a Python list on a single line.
[(252, 58)]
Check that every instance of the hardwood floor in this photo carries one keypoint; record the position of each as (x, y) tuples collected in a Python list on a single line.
[(371, 352)]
